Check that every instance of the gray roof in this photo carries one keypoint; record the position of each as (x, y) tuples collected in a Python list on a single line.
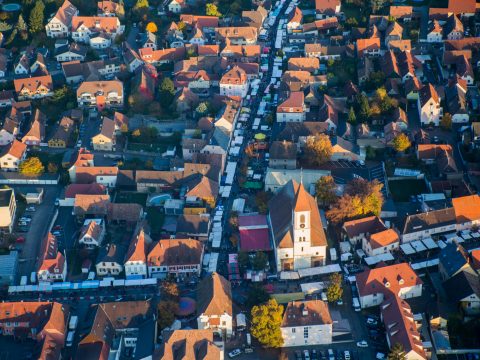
[(193, 224), (461, 285), (453, 257), (5, 196), (429, 220)]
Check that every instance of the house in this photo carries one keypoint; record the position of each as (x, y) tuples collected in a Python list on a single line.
[(105, 140), (176, 6), (439, 155), (306, 322), (464, 289), (356, 231), (429, 109), (34, 87), (234, 83), (162, 56), (327, 8), (401, 328), (345, 150), (292, 109), (62, 137), (98, 32), (214, 305), (179, 258), (296, 229), (456, 100), (189, 342), (401, 12), (93, 206), (127, 214), (131, 58), (52, 264), (467, 211), (7, 98), (110, 260), (399, 65), (255, 18), (393, 32), (370, 47), (193, 226), (453, 259), (435, 32), (100, 94), (119, 329), (8, 209), (104, 175), (71, 52), (192, 146), (310, 64), (382, 242), (92, 233), (376, 285), (12, 155), (36, 133), (294, 23), (59, 26), (82, 189), (453, 28), (201, 191), (412, 87), (283, 155), (136, 257), (107, 8), (424, 225), (236, 35), (44, 322)]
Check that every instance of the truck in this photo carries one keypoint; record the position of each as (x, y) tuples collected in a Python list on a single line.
[(72, 324), (241, 322), (333, 254)]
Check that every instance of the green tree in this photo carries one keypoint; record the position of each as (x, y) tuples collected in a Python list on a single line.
[(397, 352), (166, 313), (31, 167), (318, 149), (11, 37), (259, 261), (352, 118), (37, 17), (52, 168), (21, 27), (243, 260), (401, 142), (334, 289), (261, 200), (265, 325), (446, 122), (325, 190), (202, 108), (212, 10), (364, 107), (167, 92)]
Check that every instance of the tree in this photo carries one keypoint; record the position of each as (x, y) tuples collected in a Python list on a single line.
[(181, 26), (212, 10), (265, 325), (151, 27), (401, 142), (243, 260), (334, 289), (170, 291), (37, 17), (325, 190), (124, 129), (21, 27), (12, 36), (52, 168), (256, 295), (397, 352), (261, 200), (352, 118), (167, 92), (166, 313), (233, 221), (202, 108), (259, 261), (364, 107), (318, 149), (31, 167), (141, 4), (446, 122)]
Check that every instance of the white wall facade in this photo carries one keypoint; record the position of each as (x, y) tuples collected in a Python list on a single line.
[(307, 335)]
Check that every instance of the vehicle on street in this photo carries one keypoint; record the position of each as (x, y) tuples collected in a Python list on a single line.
[(234, 353), (31, 208), (20, 240), (298, 355), (372, 322), (306, 354), (331, 354), (380, 356), (346, 355), (362, 344)]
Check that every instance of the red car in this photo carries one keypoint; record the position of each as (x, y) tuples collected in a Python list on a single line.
[(20, 239)]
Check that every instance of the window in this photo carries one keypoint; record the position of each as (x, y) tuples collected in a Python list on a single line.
[(305, 332), (293, 330)]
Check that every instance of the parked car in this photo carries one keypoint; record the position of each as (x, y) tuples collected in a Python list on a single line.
[(346, 355), (306, 354), (20, 240), (362, 344), (371, 321), (31, 208), (234, 353), (298, 355)]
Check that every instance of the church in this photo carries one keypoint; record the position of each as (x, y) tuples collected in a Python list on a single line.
[(296, 228)]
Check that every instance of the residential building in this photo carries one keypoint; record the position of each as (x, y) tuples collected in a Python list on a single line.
[(234, 83), (429, 109), (72, 52), (306, 322), (193, 226), (62, 137), (98, 32), (34, 87), (107, 8), (327, 8), (214, 305), (401, 328), (136, 258), (8, 268), (293, 109), (463, 289), (12, 155), (453, 259), (424, 225), (110, 260), (175, 257), (376, 285), (52, 264), (439, 155), (467, 211), (59, 26), (283, 155), (381, 242), (8, 209), (92, 233), (190, 342), (236, 35), (435, 31), (296, 228), (36, 133), (176, 6), (358, 231), (105, 140), (100, 94)]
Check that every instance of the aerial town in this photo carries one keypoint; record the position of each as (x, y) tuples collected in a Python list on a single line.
[(248, 179)]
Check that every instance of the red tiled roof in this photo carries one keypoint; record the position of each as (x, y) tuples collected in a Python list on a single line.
[(294, 103), (467, 208)]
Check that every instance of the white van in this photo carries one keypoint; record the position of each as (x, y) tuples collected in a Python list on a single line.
[(356, 304)]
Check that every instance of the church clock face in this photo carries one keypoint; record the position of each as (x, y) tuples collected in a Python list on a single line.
[(302, 226)]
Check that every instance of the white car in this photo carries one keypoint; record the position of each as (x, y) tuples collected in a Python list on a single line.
[(362, 344), (234, 353)]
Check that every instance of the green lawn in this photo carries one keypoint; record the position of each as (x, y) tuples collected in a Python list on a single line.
[(401, 190), (157, 148), (131, 197)]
